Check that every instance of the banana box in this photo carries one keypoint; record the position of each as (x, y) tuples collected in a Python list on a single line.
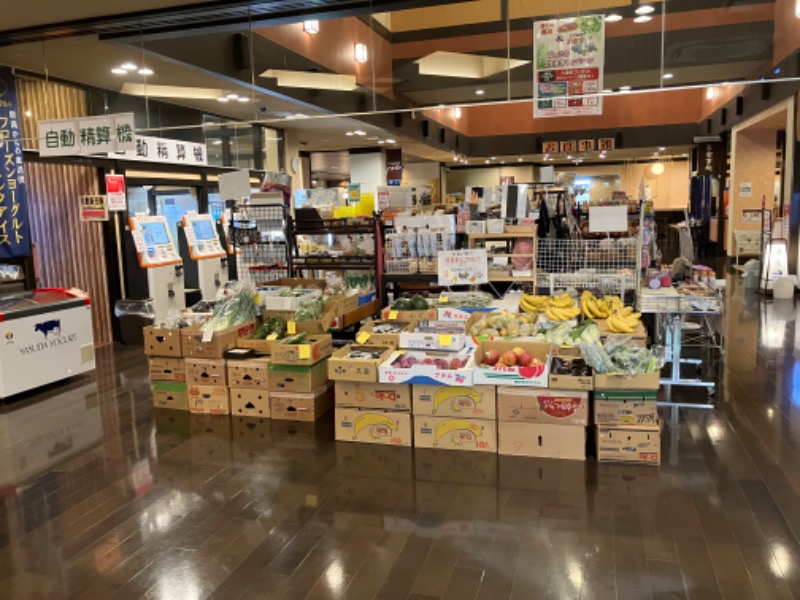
[(542, 440), (313, 350), (249, 402), (455, 433), (209, 399), (167, 369), (390, 314), (477, 402), (387, 396), (160, 341), (250, 373), (206, 371), (361, 460), (170, 394), (492, 360), (287, 406), (521, 405), (464, 468), (373, 426), (639, 444)]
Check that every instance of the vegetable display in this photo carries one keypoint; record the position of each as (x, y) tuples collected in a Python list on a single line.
[(619, 356), (466, 300), (562, 334), (416, 302), (310, 310), (238, 308)]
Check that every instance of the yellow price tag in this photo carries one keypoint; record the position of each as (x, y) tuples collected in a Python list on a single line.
[(392, 314), (442, 299), (445, 340), (272, 336), (363, 337), (304, 350), (400, 352), (258, 298), (291, 327)]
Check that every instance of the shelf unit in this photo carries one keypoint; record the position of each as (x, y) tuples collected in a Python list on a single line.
[(256, 233), (473, 239)]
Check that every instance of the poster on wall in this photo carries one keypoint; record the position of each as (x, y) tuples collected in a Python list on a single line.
[(115, 190), (751, 216), (463, 267), (15, 239), (94, 208), (568, 66)]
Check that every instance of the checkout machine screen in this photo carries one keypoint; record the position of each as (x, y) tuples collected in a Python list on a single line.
[(203, 230), (155, 234)]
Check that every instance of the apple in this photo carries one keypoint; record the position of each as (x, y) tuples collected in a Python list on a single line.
[(524, 359), (536, 362), (490, 357), (441, 363), (509, 358), (456, 364), (518, 350), (428, 361)]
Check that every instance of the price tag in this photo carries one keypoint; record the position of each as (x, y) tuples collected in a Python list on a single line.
[(272, 336), (442, 299), (400, 352), (258, 299), (304, 351), (392, 314), (363, 337), (291, 327), (445, 340), (207, 336)]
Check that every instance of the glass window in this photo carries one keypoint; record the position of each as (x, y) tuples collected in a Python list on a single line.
[(173, 203)]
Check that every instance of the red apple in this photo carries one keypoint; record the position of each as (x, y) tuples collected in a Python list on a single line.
[(490, 357), (536, 362), (524, 359), (518, 351), (509, 358), (428, 361), (456, 364)]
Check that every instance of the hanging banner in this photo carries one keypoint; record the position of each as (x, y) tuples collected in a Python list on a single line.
[(90, 135), (115, 190), (568, 66), (463, 267), (15, 239), (711, 158), (162, 150), (94, 208), (394, 166)]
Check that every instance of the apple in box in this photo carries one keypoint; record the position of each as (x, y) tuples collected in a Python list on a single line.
[(514, 362)]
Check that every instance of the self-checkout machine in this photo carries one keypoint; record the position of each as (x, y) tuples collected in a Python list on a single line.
[(159, 258), (205, 259)]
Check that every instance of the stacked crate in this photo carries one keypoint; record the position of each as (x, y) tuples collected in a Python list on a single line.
[(455, 417), (167, 367), (207, 380), (248, 382), (299, 389), (626, 421)]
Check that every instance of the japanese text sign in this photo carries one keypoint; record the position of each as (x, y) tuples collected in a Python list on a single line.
[(94, 208), (568, 66), (14, 227), (162, 150), (115, 190), (463, 267), (90, 135)]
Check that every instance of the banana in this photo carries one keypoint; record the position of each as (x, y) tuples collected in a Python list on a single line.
[(618, 325), (585, 307), (622, 312), (450, 425), (527, 305), (373, 421), (458, 398), (562, 301)]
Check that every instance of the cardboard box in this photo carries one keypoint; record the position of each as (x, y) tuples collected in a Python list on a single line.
[(373, 426), (475, 227), (639, 334), (474, 468), (629, 444), (260, 346), (625, 408), (455, 433), (206, 371), (519, 404), (277, 303), (209, 399), (287, 406), (314, 350), (250, 373), (298, 378), (167, 369), (367, 298), (476, 402), (533, 376), (249, 402), (321, 325), (369, 460), (345, 304), (442, 335), (426, 374), (160, 341), (569, 382), (341, 368), (542, 474), (390, 314), (460, 315), (386, 396), (354, 317), (542, 440), (390, 340), (642, 381), (170, 394), (205, 344)]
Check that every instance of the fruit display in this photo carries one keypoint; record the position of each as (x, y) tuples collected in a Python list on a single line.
[(504, 325), (623, 321), (533, 304), (406, 361), (564, 334), (576, 367), (597, 308), (556, 313), (556, 308), (619, 357), (416, 302), (518, 357), (466, 300)]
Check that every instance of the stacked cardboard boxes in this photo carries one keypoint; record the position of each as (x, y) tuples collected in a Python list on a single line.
[(167, 367), (458, 418), (627, 427), (299, 389), (207, 380), (248, 382)]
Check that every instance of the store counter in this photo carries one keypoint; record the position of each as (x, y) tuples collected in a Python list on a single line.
[(46, 335)]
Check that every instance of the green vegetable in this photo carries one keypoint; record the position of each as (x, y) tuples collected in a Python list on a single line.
[(310, 310), (299, 338), (276, 326), (418, 303), (402, 304), (234, 310), (261, 332)]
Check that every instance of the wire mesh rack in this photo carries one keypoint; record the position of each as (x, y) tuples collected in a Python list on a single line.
[(257, 233)]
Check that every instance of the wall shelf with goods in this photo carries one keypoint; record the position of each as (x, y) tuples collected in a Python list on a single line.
[(506, 273), (257, 234)]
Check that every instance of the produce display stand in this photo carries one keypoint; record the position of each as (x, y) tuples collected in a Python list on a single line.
[(256, 233), (478, 240)]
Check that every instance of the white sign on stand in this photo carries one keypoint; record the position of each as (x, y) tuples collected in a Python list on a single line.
[(608, 219), (463, 267), (234, 186)]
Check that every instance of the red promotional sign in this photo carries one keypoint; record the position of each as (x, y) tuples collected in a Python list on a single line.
[(115, 190)]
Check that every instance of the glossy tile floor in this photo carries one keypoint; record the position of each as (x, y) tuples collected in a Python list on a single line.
[(103, 497)]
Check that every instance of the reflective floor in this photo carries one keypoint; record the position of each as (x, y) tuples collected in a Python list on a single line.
[(103, 497)]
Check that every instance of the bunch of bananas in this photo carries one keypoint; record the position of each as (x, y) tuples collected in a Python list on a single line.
[(623, 320), (594, 307), (533, 304), (562, 308)]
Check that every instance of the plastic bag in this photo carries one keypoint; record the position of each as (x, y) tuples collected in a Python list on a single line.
[(237, 308), (621, 355)]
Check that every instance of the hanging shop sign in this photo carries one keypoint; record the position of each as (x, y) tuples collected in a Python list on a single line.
[(568, 66), (15, 239), (463, 267), (394, 166), (163, 150), (94, 208), (711, 157), (568, 146), (115, 190), (91, 135)]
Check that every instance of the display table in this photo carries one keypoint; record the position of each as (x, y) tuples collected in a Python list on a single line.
[(46, 336)]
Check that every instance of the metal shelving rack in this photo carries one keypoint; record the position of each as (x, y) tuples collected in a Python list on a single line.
[(257, 233)]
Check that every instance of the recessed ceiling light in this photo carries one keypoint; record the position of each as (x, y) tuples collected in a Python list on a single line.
[(487, 161), (480, 92), (381, 142), (119, 71), (349, 133), (145, 71), (390, 141), (243, 99), (643, 19), (569, 156), (128, 66), (667, 76), (359, 132), (217, 142), (613, 18), (519, 159), (661, 148), (231, 96), (222, 99), (493, 158), (644, 9)]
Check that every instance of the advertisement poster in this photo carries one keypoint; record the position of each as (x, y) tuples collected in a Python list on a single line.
[(354, 193), (15, 239), (568, 66), (463, 267), (115, 190), (94, 208)]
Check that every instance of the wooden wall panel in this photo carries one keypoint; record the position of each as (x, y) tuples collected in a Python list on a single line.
[(47, 100)]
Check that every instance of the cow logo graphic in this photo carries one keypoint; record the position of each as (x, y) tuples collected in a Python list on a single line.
[(9, 335), (48, 327)]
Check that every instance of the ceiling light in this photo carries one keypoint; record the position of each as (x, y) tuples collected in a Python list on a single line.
[(231, 96), (391, 141), (171, 91), (128, 66), (502, 162), (457, 112), (440, 106), (359, 132), (217, 142), (643, 19), (145, 71), (349, 133), (465, 66), (493, 158), (569, 156), (644, 9), (613, 18), (381, 142), (313, 81), (487, 161), (661, 148), (119, 71), (222, 99), (684, 154), (28, 113), (657, 168), (519, 159), (243, 99), (360, 52), (667, 76), (311, 27), (480, 92)]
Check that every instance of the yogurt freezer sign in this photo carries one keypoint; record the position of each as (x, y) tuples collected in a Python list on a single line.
[(568, 66)]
